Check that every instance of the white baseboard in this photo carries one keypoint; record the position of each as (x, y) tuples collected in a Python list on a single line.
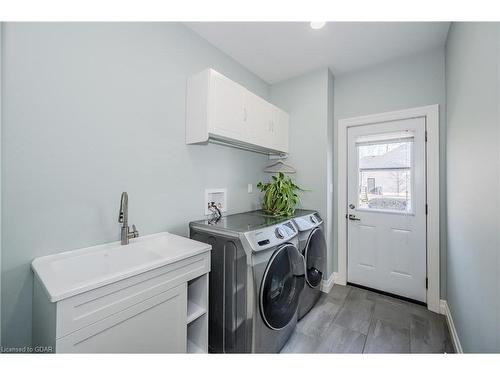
[(327, 285), (445, 310)]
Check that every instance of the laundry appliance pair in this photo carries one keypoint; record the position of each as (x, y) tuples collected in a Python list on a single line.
[(266, 273)]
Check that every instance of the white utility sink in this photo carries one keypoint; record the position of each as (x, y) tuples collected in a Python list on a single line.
[(73, 272)]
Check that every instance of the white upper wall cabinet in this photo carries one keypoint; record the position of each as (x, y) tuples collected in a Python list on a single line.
[(226, 107), (222, 110), (279, 128)]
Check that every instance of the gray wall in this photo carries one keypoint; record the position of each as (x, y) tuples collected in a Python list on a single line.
[(472, 88), (306, 99), (91, 110), (399, 84)]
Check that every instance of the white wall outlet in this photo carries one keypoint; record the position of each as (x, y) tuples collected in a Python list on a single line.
[(250, 188), (219, 196)]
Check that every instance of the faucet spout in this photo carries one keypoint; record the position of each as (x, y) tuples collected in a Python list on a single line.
[(123, 216), (126, 233)]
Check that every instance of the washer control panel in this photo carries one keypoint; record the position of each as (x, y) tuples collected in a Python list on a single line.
[(274, 235), (280, 233)]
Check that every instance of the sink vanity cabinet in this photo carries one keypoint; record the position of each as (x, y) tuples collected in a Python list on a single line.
[(153, 298)]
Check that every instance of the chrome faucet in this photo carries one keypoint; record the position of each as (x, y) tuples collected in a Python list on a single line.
[(123, 218)]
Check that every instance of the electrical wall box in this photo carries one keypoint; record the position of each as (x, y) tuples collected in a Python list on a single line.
[(219, 196)]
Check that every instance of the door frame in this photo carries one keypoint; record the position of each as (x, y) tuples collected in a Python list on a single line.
[(431, 115)]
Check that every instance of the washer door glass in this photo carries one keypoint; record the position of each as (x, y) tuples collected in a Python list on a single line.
[(315, 253), (281, 286)]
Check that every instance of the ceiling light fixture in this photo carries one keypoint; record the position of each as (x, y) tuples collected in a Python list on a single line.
[(317, 25)]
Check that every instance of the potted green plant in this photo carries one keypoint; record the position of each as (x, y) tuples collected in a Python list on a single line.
[(281, 195)]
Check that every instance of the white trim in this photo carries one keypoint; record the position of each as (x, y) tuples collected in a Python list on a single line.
[(431, 114), (1, 130), (445, 310), (327, 285)]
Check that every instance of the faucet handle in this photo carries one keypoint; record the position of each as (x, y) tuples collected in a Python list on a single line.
[(135, 232)]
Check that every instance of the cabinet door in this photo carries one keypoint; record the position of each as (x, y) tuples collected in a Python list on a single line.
[(157, 325), (259, 117), (227, 107), (279, 128)]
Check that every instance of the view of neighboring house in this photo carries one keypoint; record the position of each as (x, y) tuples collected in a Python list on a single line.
[(385, 175)]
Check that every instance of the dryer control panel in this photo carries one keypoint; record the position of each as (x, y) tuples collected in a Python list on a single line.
[(308, 222), (274, 235)]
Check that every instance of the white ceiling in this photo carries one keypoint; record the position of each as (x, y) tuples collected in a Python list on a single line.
[(275, 51)]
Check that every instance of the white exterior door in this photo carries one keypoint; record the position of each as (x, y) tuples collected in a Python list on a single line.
[(387, 207)]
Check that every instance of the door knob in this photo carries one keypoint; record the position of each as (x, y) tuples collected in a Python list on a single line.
[(353, 217)]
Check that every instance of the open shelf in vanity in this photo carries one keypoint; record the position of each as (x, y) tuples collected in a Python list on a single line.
[(197, 315)]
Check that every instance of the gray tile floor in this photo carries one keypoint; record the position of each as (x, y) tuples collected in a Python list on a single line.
[(353, 320)]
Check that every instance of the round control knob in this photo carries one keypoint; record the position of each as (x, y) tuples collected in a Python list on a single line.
[(280, 233)]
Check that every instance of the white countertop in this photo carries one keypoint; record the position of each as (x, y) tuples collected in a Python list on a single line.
[(73, 272)]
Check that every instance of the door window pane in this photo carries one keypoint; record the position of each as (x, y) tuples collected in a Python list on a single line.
[(385, 172)]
